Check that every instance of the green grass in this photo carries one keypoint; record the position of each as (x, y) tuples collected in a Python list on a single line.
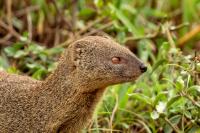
[(164, 99)]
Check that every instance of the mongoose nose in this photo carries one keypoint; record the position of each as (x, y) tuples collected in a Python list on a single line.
[(143, 68)]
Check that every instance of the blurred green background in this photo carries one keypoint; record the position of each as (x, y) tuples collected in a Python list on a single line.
[(163, 33)]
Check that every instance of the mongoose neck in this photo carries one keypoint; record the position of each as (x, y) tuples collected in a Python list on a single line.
[(62, 94)]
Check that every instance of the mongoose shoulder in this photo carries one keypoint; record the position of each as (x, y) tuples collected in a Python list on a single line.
[(65, 101)]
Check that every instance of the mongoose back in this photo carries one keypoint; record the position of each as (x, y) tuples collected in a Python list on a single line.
[(65, 101)]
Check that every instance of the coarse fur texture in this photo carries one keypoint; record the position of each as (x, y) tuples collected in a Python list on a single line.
[(65, 101)]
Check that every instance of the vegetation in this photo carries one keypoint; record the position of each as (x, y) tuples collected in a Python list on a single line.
[(164, 34)]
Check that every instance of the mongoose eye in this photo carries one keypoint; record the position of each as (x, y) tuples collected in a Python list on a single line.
[(116, 60)]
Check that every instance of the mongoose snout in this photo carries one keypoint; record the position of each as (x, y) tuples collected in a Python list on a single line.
[(66, 100), (143, 68)]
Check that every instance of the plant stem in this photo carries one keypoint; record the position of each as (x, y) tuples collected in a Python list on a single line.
[(175, 128)]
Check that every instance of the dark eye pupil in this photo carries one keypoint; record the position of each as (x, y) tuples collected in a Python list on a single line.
[(115, 60)]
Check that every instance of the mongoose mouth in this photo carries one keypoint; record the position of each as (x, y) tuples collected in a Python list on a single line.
[(130, 78)]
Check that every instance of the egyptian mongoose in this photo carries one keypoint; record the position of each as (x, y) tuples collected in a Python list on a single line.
[(66, 100)]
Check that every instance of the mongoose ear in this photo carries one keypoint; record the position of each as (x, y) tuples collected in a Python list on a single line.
[(78, 50)]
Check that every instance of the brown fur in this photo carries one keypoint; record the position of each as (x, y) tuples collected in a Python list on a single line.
[(66, 100)]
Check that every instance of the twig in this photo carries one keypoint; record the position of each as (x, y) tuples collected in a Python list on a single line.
[(99, 29), (173, 28), (175, 13), (150, 36), (27, 10), (15, 34), (113, 113), (11, 30), (156, 33), (104, 130), (5, 40), (30, 26), (195, 68), (60, 13), (189, 98), (169, 36), (5, 43), (66, 43), (57, 37), (175, 128), (9, 13), (74, 15), (7, 37), (188, 36), (91, 24)]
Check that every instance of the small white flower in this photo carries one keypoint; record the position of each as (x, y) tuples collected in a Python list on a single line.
[(154, 115), (161, 107), (184, 72), (23, 38)]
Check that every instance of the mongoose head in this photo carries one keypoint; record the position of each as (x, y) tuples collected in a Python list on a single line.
[(103, 62)]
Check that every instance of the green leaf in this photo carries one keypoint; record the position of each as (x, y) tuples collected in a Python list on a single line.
[(56, 50), (52, 67), (39, 74), (154, 13), (180, 83), (99, 3), (141, 98), (159, 97), (194, 89), (11, 51), (35, 49), (174, 120), (194, 129), (130, 9), (198, 67), (86, 13), (13, 70), (157, 64), (31, 66), (35, 66), (43, 56), (125, 20), (123, 97), (3, 63), (173, 100), (20, 54), (188, 114)]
